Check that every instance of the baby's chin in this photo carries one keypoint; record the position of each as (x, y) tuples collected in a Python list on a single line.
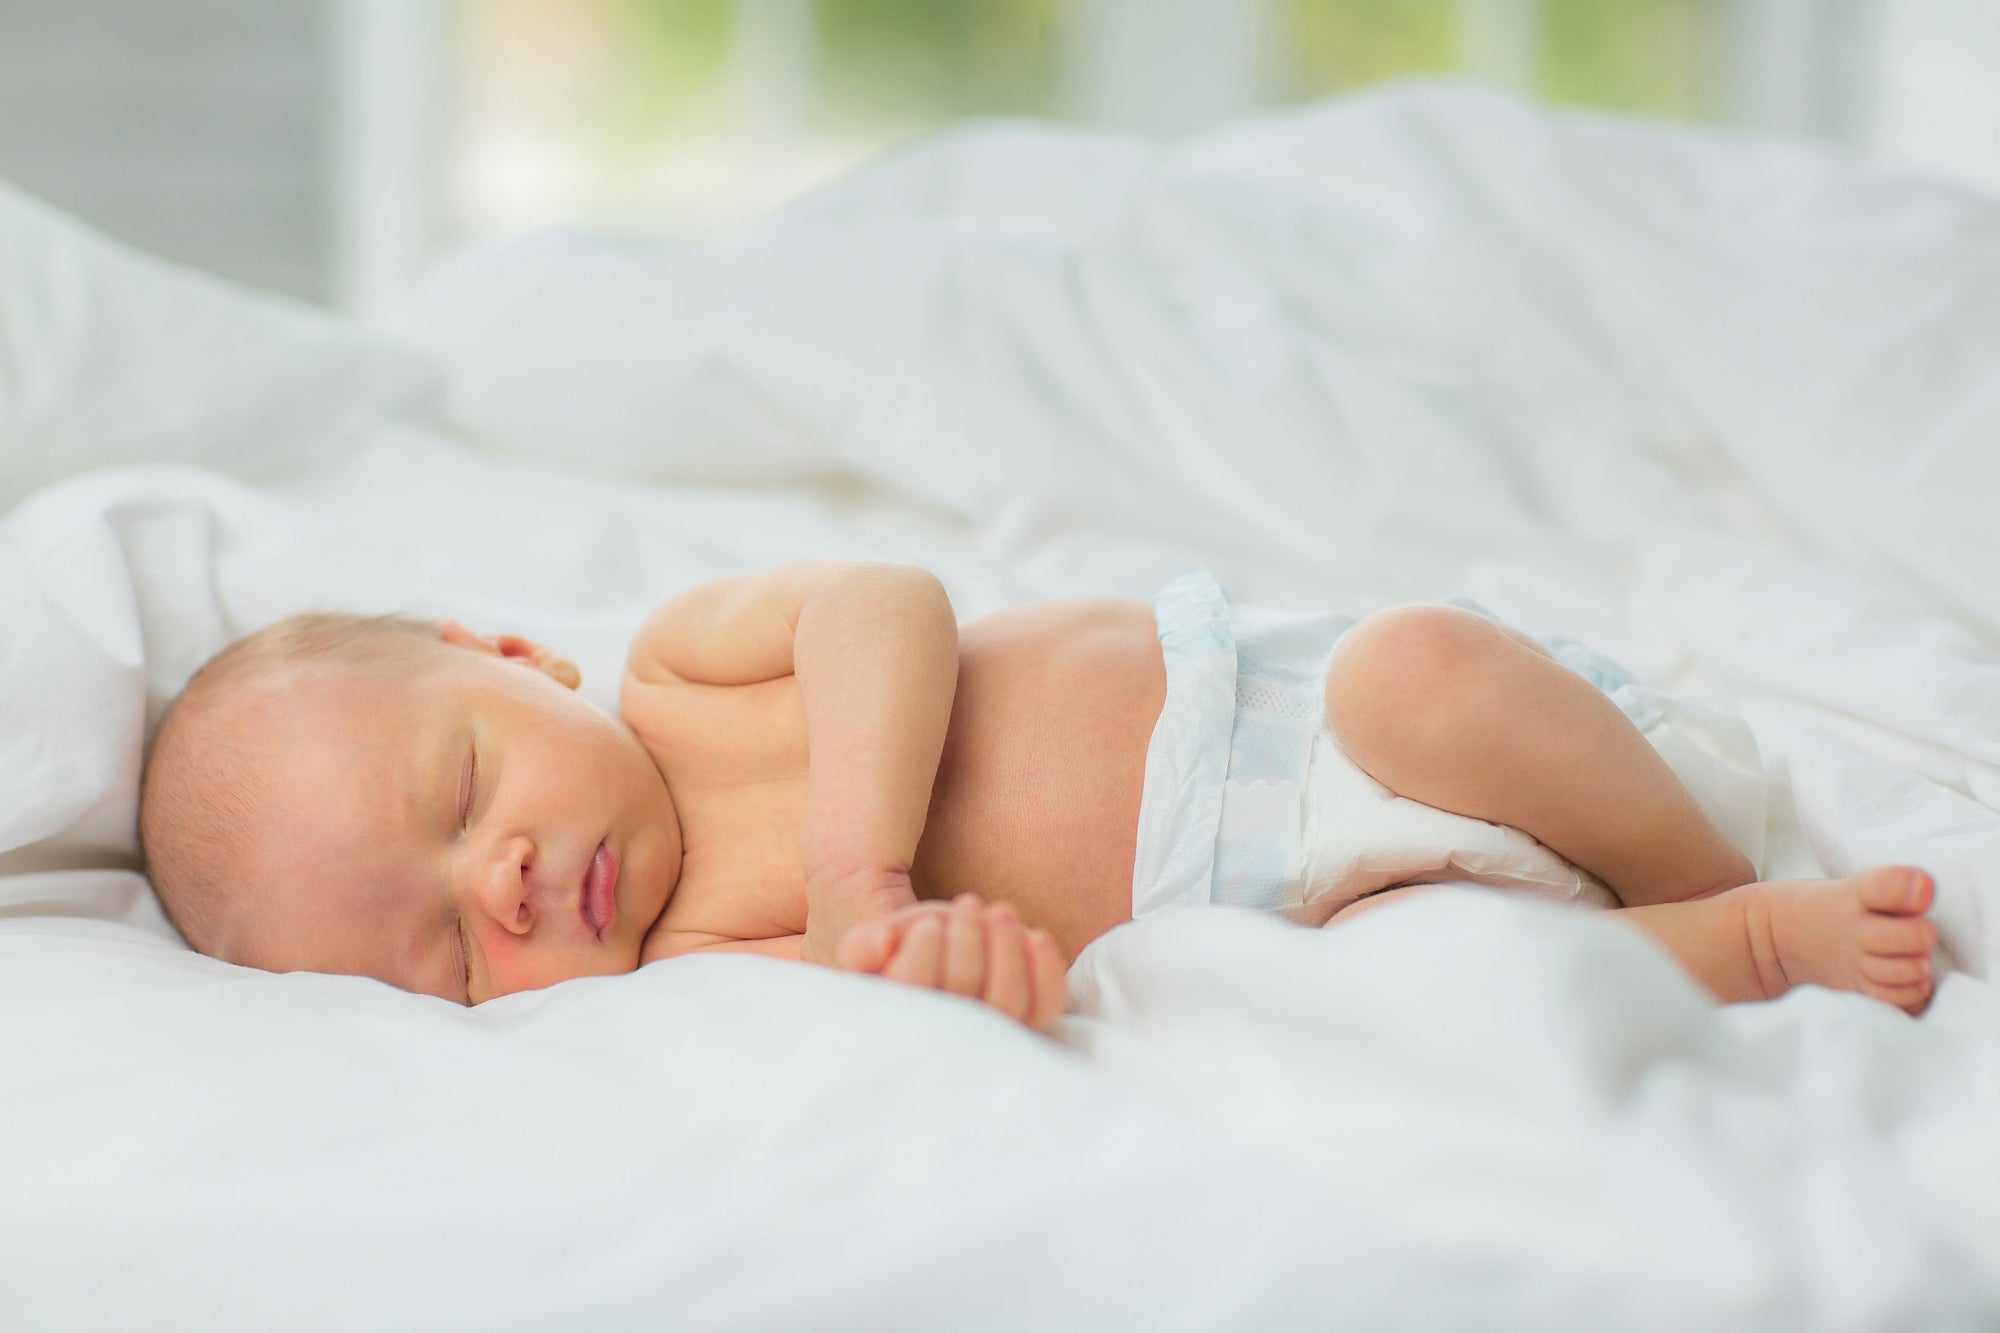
[(627, 960)]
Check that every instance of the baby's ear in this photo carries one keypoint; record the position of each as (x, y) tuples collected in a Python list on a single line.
[(512, 646)]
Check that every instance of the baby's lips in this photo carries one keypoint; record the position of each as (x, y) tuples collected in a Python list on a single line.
[(598, 901)]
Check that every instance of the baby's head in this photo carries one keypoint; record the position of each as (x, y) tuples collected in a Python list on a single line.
[(408, 801)]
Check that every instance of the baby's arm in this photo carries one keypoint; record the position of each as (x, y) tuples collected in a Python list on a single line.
[(874, 648)]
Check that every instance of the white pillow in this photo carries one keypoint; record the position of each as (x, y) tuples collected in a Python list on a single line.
[(722, 363), (787, 352), (108, 356)]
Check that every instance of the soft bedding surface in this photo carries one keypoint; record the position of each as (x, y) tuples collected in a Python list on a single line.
[(1725, 409)]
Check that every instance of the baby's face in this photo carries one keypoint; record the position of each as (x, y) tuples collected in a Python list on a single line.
[(435, 827)]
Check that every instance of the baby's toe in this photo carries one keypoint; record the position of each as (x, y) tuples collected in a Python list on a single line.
[(1896, 972), (1896, 889), (1910, 999), (1896, 936)]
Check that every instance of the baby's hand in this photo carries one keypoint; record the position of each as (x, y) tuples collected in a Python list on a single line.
[(967, 947)]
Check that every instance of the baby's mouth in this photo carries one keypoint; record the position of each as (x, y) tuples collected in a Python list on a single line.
[(597, 902)]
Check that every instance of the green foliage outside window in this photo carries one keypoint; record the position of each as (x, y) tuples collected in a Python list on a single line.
[(914, 61), (1329, 46), (668, 69), (1648, 56), (1631, 55)]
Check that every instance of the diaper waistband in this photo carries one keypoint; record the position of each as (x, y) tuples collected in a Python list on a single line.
[(1223, 803), (1187, 759), (1279, 708)]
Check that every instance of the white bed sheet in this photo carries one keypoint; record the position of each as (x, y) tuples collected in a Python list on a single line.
[(1725, 409)]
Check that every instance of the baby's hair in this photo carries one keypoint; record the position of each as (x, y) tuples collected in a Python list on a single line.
[(197, 793)]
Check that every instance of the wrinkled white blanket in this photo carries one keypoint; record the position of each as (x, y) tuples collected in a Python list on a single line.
[(1726, 410)]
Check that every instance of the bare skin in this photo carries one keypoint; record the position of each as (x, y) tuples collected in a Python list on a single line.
[(1035, 801), (968, 819)]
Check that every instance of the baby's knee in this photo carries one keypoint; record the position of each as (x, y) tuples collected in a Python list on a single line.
[(1403, 674)]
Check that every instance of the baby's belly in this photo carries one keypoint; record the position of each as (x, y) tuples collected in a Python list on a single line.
[(1037, 795)]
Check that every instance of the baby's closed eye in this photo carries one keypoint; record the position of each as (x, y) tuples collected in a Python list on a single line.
[(465, 960), (468, 781)]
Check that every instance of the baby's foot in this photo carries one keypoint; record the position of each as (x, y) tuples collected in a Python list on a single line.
[(1865, 933)]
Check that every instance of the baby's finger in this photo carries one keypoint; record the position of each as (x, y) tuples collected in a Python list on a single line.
[(1051, 985), (965, 946), (1008, 987), (919, 958), (868, 947)]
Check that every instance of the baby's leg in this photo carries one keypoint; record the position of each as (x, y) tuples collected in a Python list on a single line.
[(1447, 708), (1865, 933)]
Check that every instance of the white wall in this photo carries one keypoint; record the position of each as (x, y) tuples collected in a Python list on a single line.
[(390, 63), (196, 129), (1932, 86)]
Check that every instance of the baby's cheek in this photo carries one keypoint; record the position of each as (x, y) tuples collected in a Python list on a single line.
[(523, 966)]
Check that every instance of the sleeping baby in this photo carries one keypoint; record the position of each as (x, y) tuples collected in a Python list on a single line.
[(818, 762)]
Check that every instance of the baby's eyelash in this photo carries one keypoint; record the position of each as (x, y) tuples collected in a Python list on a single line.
[(471, 777), (465, 957)]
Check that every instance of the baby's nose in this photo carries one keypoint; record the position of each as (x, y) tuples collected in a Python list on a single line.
[(502, 886)]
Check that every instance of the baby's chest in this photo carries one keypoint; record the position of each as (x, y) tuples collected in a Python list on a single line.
[(735, 761), (742, 871), (705, 737)]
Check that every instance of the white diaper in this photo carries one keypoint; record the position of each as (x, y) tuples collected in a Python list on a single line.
[(1359, 836), (1249, 801)]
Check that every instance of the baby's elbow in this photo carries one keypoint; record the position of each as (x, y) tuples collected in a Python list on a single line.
[(912, 585), (930, 588)]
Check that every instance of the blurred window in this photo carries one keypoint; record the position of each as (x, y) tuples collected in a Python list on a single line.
[(692, 115)]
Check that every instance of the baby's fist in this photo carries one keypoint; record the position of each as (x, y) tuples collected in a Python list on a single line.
[(969, 948)]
